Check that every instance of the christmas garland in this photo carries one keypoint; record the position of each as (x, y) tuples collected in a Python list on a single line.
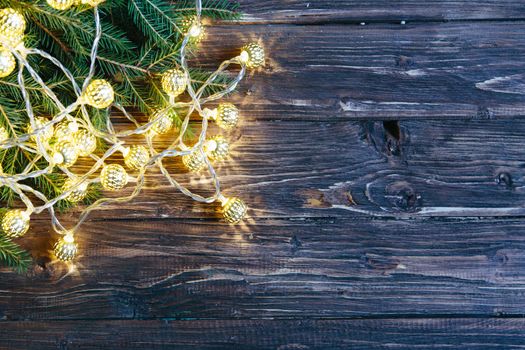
[(96, 58)]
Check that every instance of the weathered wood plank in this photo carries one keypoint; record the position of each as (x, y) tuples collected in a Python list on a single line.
[(319, 11), (336, 72), (458, 334), (286, 268), (340, 169)]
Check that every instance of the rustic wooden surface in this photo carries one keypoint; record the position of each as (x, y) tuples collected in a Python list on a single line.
[(385, 168)]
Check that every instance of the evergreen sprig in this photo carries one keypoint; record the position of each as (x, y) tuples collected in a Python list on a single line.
[(141, 39), (12, 255)]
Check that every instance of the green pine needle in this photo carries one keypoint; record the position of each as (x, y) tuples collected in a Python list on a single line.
[(12, 255), (141, 39)]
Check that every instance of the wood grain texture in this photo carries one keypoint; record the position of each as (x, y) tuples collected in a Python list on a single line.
[(280, 269), (384, 167), (335, 72), (458, 334), (403, 169), (357, 11)]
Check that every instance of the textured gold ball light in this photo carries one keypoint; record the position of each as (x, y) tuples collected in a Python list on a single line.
[(12, 26), (78, 193), (227, 116), (61, 4), (66, 249), (4, 135), (66, 154), (15, 223), (191, 25), (252, 55), (90, 2), (195, 161), (113, 177), (217, 148), (64, 130), (234, 210), (174, 82), (163, 122), (99, 94), (43, 134), (136, 157), (7, 63), (85, 141)]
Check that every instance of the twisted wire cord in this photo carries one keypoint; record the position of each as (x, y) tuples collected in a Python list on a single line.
[(176, 149)]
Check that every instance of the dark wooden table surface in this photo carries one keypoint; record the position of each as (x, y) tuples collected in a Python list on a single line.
[(383, 155)]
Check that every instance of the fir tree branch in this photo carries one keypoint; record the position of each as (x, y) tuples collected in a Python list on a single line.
[(12, 255)]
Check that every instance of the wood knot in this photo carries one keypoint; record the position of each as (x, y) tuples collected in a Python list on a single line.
[(504, 179), (403, 197), (296, 243), (404, 62)]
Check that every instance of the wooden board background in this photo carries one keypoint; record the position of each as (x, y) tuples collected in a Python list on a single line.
[(385, 169)]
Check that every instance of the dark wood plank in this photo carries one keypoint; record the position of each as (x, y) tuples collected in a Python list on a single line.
[(335, 72), (286, 268), (318, 11), (340, 169), (458, 334)]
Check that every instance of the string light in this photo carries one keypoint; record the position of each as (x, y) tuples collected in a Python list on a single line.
[(61, 139)]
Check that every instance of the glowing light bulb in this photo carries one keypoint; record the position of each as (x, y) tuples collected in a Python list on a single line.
[(192, 27), (227, 116), (85, 142), (7, 63), (68, 151), (136, 157), (113, 177), (92, 3), (65, 130), (252, 55), (4, 135), (15, 223), (99, 94), (12, 26), (44, 134), (195, 161), (217, 148), (78, 193), (174, 82), (233, 209), (163, 122), (66, 249), (61, 4)]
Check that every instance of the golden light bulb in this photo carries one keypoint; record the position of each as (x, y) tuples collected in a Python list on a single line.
[(78, 193), (174, 82), (252, 55), (195, 161), (15, 223), (61, 4), (217, 148), (12, 26), (136, 157), (66, 249), (163, 122), (66, 152), (4, 135), (113, 177), (92, 3), (44, 134), (65, 130), (227, 116), (192, 27), (234, 210), (7, 63), (85, 142), (99, 94)]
